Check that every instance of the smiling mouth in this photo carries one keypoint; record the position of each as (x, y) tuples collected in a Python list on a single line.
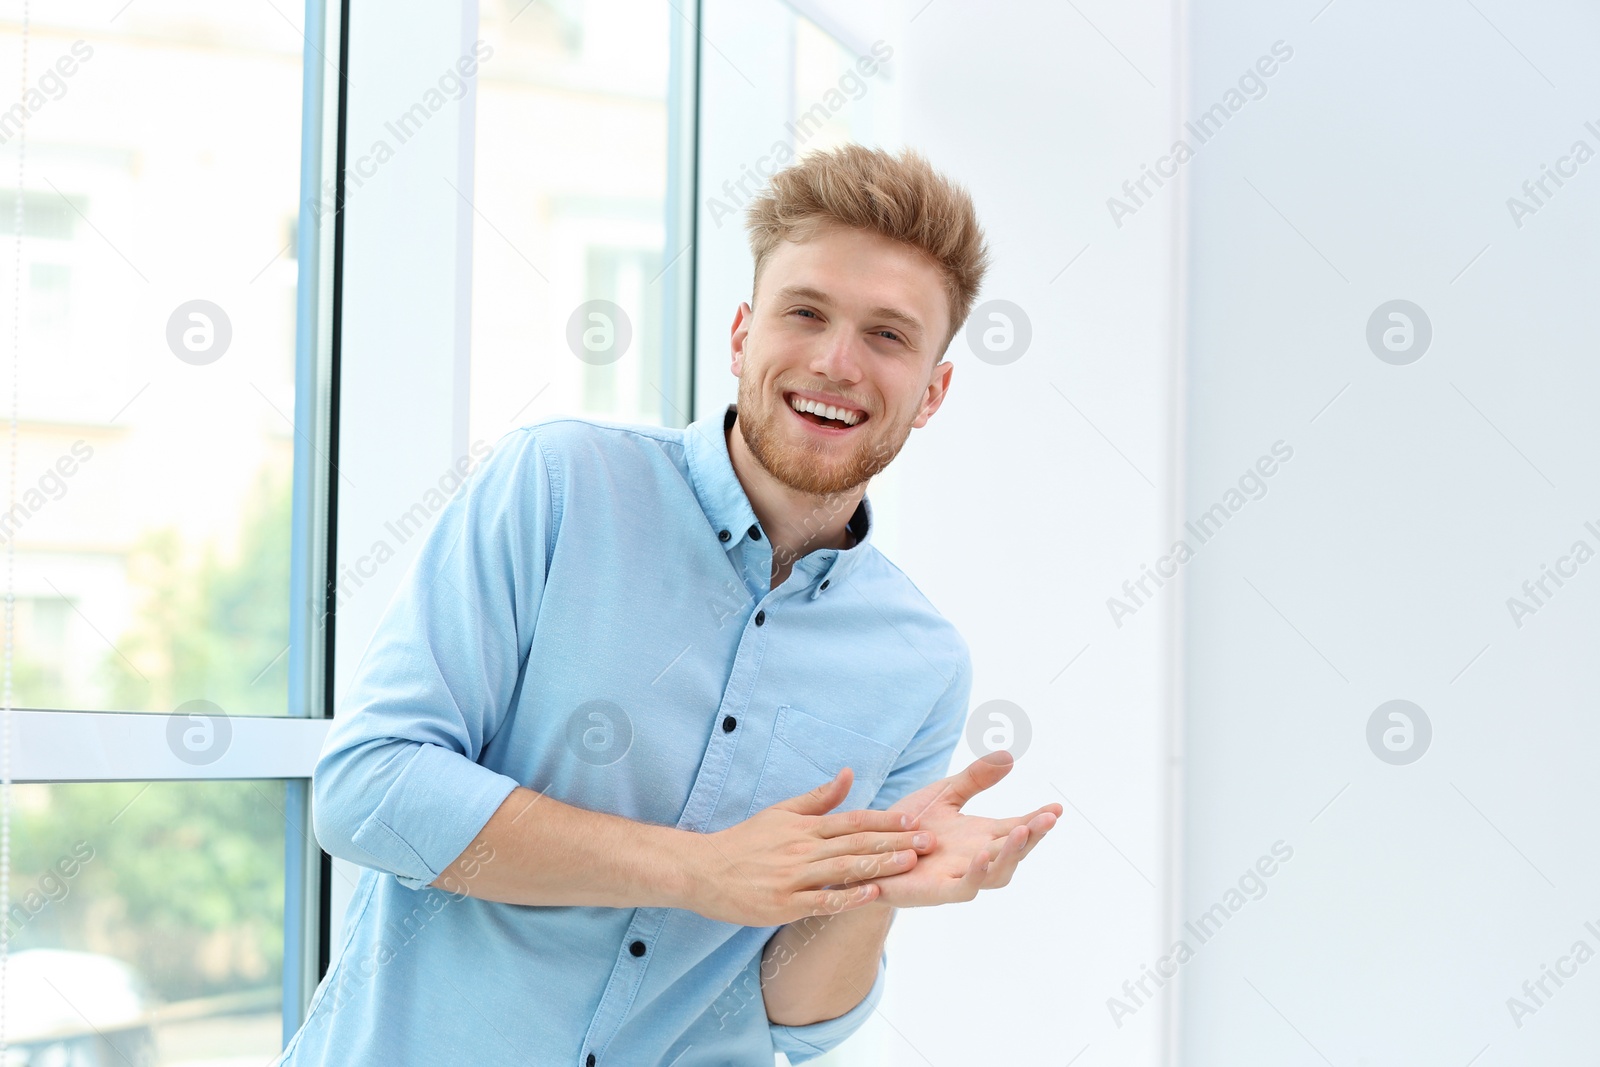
[(816, 417)]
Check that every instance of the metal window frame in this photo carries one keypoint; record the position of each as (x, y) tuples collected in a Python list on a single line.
[(307, 869), (682, 218)]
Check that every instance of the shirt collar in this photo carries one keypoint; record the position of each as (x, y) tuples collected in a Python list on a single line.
[(727, 507)]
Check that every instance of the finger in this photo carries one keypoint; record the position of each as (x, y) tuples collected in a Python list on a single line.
[(1037, 823), (1005, 860), (845, 869), (1029, 820), (977, 776), (861, 820), (998, 848), (971, 882), (833, 901), (869, 844), (1037, 828), (823, 798)]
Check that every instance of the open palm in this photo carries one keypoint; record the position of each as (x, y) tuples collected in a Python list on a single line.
[(969, 852)]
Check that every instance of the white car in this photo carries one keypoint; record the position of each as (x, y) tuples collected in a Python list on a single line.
[(76, 1009)]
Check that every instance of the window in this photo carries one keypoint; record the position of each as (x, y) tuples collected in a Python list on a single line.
[(571, 273), (170, 474)]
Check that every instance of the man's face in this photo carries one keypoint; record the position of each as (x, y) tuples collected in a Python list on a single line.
[(849, 318)]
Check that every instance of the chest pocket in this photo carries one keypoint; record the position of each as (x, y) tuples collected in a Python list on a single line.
[(806, 751)]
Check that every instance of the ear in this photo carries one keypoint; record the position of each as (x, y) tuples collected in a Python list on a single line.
[(741, 329), (938, 387)]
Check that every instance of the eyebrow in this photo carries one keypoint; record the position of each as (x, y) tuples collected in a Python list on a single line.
[(910, 322)]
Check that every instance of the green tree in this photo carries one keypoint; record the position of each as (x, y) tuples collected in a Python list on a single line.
[(186, 878), (211, 630)]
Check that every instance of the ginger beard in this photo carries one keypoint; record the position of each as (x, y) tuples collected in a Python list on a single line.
[(820, 468)]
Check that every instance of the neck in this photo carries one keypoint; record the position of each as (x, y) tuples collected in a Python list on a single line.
[(796, 523)]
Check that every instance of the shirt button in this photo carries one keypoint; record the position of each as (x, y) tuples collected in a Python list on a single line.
[(637, 948), (755, 533), (723, 535), (825, 582), (761, 617), (728, 723), (590, 1061)]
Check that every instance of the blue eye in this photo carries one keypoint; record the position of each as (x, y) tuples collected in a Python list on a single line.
[(891, 333)]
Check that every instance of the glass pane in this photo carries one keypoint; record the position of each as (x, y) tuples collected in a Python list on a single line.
[(146, 923), (839, 96), (157, 294), (569, 197)]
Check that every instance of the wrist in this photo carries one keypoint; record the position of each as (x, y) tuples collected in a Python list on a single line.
[(678, 869), (876, 904), (874, 912), (870, 913), (879, 907)]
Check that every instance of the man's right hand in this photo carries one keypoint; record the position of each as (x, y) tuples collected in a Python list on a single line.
[(777, 866)]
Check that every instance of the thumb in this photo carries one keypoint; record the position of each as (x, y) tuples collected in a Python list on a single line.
[(980, 774), (821, 800)]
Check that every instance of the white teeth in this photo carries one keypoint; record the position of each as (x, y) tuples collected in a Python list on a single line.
[(849, 418)]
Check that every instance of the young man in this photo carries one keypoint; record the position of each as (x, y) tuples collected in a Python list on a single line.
[(645, 752)]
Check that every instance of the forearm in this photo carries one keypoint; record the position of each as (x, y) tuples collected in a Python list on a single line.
[(536, 850), (821, 966)]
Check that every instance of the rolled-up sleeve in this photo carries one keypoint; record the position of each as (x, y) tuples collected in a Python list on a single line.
[(802, 1043), (398, 786)]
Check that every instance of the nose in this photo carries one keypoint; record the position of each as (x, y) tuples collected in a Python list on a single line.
[(838, 358)]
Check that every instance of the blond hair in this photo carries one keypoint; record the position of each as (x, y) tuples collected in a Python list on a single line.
[(900, 197)]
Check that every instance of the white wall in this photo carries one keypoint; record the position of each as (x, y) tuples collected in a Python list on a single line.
[(1379, 564), (1036, 491)]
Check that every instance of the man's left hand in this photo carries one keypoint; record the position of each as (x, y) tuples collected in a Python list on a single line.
[(969, 852)]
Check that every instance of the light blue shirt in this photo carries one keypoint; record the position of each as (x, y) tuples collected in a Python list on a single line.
[(591, 617)]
